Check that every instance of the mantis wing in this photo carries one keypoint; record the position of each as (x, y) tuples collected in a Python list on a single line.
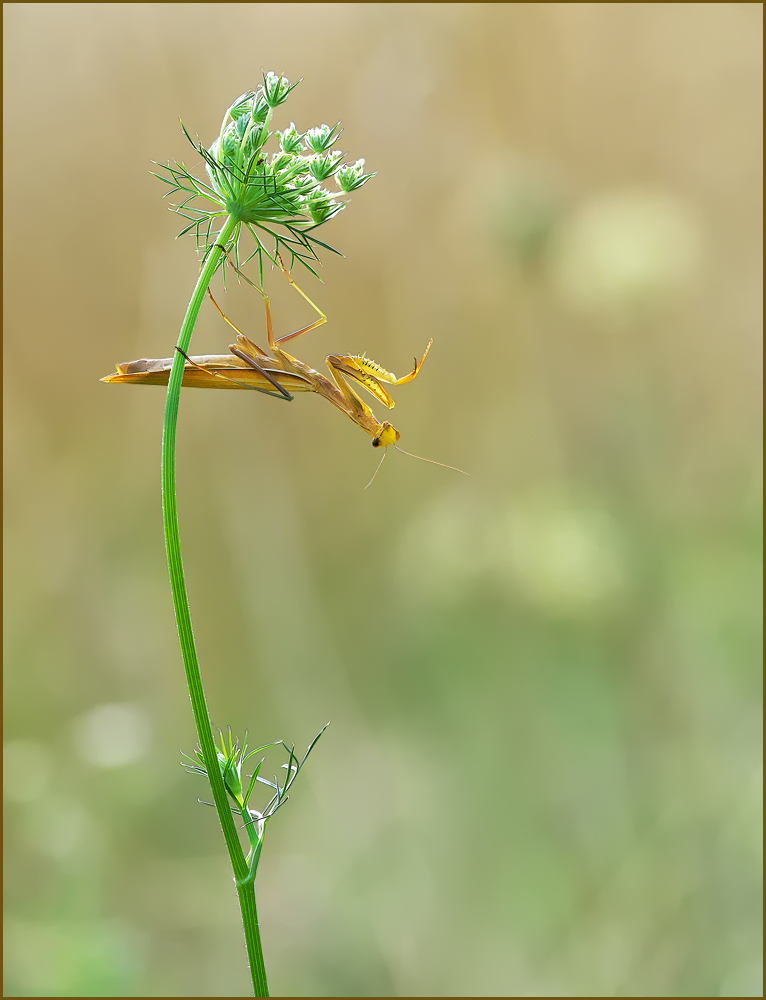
[(209, 371)]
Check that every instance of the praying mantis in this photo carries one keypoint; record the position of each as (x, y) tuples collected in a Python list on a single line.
[(248, 366)]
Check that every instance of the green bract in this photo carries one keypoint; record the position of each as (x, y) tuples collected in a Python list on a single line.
[(323, 167), (322, 206), (320, 139), (277, 194), (349, 177), (276, 89), (290, 140)]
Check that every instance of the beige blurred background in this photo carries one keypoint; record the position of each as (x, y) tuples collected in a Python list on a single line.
[(542, 774)]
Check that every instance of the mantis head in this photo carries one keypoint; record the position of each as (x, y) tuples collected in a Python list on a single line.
[(386, 435)]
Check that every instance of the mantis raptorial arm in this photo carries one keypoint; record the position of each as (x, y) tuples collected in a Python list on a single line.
[(349, 366), (369, 373)]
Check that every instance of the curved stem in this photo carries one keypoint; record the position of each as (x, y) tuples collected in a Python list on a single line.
[(246, 893)]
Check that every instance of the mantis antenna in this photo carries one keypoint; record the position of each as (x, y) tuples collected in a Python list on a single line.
[(377, 470), (429, 460)]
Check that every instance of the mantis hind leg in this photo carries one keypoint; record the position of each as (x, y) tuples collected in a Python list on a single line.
[(267, 304), (312, 326), (226, 319)]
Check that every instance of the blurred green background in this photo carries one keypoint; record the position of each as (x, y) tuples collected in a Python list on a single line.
[(542, 776)]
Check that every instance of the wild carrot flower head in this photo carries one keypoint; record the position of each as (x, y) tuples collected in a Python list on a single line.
[(279, 196)]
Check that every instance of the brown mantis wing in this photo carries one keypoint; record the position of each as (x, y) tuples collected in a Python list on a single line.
[(210, 371)]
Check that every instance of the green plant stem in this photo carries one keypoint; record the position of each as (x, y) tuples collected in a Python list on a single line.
[(246, 892)]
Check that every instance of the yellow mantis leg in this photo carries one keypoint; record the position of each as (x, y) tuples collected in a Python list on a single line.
[(312, 326), (274, 342), (248, 360)]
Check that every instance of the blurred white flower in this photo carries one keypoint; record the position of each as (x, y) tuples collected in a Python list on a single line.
[(112, 735), (626, 249), (567, 559)]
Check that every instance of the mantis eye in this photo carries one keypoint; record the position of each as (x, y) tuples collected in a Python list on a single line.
[(387, 435)]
